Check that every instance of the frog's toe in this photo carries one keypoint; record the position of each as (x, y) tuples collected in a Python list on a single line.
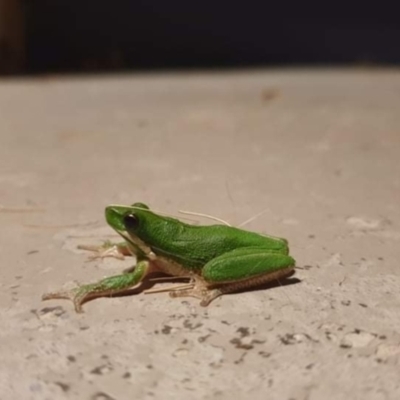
[(54, 295), (205, 295), (78, 296), (107, 249), (199, 289), (208, 297)]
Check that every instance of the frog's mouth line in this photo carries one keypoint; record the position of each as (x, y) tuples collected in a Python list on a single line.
[(137, 246)]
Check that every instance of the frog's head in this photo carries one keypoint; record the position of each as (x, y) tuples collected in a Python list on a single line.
[(128, 221)]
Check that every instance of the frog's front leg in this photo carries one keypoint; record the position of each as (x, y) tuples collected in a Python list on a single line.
[(237, 270), (108, 249), (110, 286)]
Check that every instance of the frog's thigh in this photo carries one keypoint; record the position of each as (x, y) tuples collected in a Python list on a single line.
[(247, 265)]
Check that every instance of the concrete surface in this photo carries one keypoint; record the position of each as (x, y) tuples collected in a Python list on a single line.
[(318, 150)]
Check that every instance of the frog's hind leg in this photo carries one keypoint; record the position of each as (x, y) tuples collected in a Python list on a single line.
[(237, 270), (245, 284), (207, 293), (110, 286)]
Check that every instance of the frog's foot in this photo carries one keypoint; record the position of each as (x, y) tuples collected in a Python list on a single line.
[(78, 296), (107, 287), (199, 289), (107, 249)]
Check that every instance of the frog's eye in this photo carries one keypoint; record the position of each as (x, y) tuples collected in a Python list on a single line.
[(131, 221)]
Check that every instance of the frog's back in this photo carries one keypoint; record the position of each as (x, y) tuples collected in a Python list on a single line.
[(194, 246), (228, 238)]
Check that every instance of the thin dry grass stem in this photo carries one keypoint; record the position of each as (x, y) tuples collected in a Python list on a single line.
[(254, 217), (169, 288), (205, 216)]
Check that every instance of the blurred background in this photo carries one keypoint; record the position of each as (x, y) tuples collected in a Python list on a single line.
[(45, 36)]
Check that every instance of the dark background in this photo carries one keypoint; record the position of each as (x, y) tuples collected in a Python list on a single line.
[(72, 35)]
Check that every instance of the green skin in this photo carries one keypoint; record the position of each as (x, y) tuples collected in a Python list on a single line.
[(217, 259)]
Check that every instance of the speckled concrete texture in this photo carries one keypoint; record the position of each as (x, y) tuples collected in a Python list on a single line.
[(317, 150)]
